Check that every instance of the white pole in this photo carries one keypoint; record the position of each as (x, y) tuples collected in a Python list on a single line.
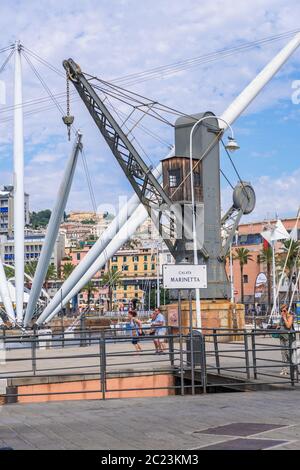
[(53, 229), (157, 278), (19, 221), (251, 91), (274, 278), (4, 294), (231, 274)]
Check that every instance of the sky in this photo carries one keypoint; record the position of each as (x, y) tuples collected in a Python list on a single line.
[(113, 39)]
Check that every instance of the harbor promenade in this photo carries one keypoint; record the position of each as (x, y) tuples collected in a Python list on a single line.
[(253, 420)]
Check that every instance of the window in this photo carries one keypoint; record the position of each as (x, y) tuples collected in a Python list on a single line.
[(124, 259), (135, 259), (114, 259), (245, 279), (145, 267), (124, 267), (251, 239), (114, 268), (78, 256), (125, 287), (197, 179), (153, 267), (135, 267), (174, 177), (146, 258)]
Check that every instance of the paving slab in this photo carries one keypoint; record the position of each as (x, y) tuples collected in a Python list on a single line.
[(155, 423)]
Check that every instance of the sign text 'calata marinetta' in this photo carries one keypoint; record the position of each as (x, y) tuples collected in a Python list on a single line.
[(184, 276)]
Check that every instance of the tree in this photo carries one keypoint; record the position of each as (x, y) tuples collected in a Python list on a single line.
[(289, 258), (50, 275), (164, 298), (40, 219), (132, 244), (66, 270), (111, 278), (243, 255), (9, 272), (266, 256), (30, 269), (89, 288)]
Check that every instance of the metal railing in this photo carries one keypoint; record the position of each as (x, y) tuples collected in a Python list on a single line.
[(194, 362)]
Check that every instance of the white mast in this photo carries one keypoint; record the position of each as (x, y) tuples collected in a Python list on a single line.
[(53, 229), (19, 221), (254, 88), (4, 293)]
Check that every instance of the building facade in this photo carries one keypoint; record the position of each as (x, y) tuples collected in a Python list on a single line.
[(7, 210), (33, 244), (249, 236)]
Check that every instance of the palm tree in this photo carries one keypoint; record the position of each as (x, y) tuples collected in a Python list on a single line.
[(66, 270), (30, 269), (50, 274), (110, 278), (289, 258), (89, 288), (266, 256), (243, 255), (9, 272)]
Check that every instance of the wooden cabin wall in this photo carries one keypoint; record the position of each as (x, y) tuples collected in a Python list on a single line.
[(182, 193)]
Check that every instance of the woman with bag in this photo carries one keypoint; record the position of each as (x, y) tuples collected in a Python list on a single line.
[(286, 324), (136, 330)]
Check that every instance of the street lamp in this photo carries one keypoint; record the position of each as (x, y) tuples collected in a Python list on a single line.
[(231, 146)]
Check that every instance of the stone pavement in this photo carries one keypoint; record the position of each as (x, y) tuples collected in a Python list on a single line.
[(179, 423)]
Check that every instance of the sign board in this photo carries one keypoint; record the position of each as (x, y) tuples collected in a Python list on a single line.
[(184, 276), (173, 319)]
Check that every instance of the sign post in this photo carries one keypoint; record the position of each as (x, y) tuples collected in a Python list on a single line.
[(184, 276)]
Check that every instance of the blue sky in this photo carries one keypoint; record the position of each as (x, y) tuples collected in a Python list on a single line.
[(112, 39)]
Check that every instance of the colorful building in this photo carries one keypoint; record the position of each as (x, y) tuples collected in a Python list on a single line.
[(138, 270)]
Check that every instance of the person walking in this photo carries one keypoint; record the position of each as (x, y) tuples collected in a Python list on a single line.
[(158, 327), (286, 324), (136, 330)]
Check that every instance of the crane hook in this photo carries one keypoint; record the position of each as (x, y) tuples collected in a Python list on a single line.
[(68, 119)]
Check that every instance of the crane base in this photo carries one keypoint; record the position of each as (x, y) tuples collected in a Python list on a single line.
[(218, 314)]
